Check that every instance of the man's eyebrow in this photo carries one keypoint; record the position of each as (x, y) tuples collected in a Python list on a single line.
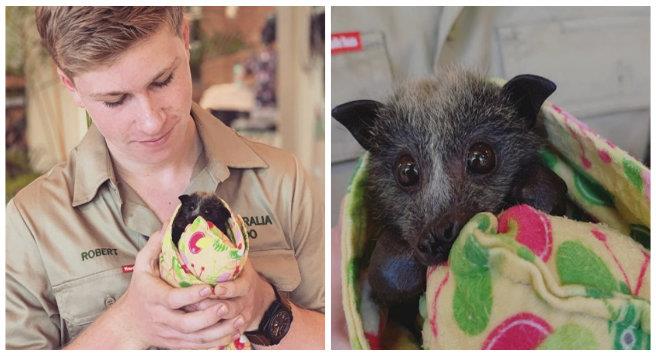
[(116, 93)]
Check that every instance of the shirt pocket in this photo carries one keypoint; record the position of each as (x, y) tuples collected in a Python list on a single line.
[(279, 267), (81, 301), (361, 74)]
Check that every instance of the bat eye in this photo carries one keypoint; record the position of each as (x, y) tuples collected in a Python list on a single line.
[(480, 158), (191, 207), (407, 171)]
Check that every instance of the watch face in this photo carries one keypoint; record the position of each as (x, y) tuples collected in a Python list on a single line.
[(280, 324)]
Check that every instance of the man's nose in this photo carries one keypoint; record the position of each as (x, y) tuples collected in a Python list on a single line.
[(151, 118)]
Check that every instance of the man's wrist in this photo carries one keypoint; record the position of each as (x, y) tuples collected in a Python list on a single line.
[(266, 297), (305, 332), (129, 339)]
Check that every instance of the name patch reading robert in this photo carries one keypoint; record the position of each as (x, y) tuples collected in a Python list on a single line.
[(87, 255)]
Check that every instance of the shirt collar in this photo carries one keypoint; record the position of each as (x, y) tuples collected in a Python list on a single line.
[(222, 146), (93, 166)]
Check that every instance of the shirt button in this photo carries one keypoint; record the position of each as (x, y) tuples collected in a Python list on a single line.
[(109, 301)]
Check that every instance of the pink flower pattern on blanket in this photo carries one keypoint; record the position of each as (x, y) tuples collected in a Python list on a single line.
[(533, 229), (523, 331)]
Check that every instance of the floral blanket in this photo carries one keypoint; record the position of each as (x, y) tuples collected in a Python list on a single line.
[(205, 255)]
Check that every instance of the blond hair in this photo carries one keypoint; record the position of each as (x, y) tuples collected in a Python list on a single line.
[(81, 38)]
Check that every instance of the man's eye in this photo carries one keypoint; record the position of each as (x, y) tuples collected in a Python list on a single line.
[(165, 82), (112, 104)]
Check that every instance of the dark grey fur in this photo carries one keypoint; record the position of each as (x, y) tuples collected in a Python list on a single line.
[(435, 121)]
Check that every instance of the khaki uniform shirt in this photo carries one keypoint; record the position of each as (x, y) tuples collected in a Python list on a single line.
[(71, 232)]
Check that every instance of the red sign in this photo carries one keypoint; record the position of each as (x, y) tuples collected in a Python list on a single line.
[(345, 42)]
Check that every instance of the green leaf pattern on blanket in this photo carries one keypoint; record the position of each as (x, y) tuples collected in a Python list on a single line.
[(570, 337), (351, 277), (641, 234), (219, 246), (591, 191), (525, 254), (472, 299), (235, 255), (626, 331), (549, 158), (624, 288), (632, 172), (356, 169), (576, 264)]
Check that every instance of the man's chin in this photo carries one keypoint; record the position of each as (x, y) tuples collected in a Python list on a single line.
[(150, 155)]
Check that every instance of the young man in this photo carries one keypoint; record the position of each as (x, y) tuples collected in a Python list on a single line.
[(73, 234)]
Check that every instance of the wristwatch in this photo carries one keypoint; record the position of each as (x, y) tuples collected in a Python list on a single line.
[(275, 322)]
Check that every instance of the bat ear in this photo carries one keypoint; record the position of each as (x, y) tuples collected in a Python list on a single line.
[(358, 117), (527, 92), (184, 198), (541, 188)]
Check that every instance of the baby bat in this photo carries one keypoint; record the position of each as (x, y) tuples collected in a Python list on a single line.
[(207, 205), (440, 151)]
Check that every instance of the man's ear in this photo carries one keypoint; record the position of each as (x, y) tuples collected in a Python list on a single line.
[(68, 83), (528, 92), (358, 117)]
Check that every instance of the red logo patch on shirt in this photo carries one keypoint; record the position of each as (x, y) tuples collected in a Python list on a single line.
[(345, 42), (127, 268)]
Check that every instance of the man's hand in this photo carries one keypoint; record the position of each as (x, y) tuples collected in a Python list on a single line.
[(148, 314), (246, 298), (249, 296)]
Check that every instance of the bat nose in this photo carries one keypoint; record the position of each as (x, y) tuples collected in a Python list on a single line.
[(434, 246), (428, 244)]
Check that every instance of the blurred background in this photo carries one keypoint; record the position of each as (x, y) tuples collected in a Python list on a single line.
[(260, 70)]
